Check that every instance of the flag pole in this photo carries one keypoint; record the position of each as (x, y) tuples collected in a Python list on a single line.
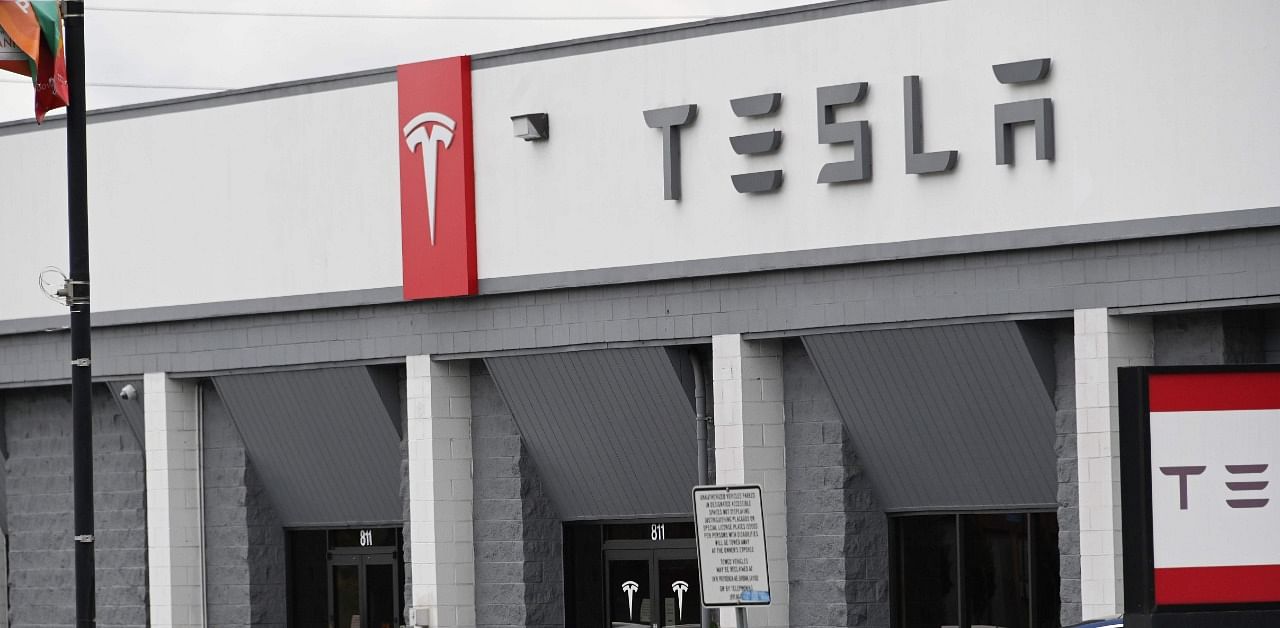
[(78, 299)]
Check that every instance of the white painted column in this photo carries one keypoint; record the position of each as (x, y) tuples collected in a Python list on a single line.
[(751, 449), (442, 547), (174, 521), (1103, 343)]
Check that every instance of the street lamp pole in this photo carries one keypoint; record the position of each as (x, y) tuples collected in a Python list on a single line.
[(78, 299)]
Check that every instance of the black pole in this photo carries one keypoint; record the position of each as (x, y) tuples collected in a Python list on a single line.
[(78, 299), (700, 418)]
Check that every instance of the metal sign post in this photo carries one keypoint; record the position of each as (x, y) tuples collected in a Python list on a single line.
[(733, 565), (78, 298)]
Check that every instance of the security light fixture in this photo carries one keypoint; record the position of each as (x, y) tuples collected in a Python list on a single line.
[(530, 126)]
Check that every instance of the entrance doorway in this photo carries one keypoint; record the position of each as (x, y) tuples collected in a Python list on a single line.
[(652, 588), (351, 578), (632, 575)]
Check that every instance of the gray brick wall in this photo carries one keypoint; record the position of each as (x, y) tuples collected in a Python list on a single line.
[(1172, 270), (1216, 337), (244, 542), (837, 537), (519, 573), (1064, 400), (40, 509)]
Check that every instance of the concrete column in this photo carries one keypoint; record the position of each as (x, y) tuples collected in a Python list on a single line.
[(750, 449), (174, 521), (442, 546), (1103, 343)]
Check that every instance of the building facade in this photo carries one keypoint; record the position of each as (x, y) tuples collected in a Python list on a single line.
[(424, 346)]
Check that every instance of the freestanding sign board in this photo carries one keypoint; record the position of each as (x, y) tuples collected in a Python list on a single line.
[(733, 567), (1200, 448)]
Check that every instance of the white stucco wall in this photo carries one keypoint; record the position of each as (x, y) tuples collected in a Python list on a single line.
[(1162, 109)]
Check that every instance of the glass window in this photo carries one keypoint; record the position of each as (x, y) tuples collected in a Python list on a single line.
[(997, 586), (927, 568), (970, 570)]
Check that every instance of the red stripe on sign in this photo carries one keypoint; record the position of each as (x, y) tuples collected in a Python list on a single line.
[(1182, 392), (1218, 585)]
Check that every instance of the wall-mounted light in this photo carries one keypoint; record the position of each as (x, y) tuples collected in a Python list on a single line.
[(530, 126)]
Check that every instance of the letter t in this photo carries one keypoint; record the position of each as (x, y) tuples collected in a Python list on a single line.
[(1182, 473), (670, 119)]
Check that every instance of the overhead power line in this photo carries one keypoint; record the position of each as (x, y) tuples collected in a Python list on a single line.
[(387, 16), (198, 88)]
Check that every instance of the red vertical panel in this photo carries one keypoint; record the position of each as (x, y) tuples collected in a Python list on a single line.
[(435, 129)]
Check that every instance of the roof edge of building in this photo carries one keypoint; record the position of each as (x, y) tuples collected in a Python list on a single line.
[(480, 61)]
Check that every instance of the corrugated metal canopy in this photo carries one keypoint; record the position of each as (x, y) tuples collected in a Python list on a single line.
[(611, 432), (949, 417), (322, 442)]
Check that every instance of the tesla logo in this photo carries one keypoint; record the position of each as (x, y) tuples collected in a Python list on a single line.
[(423, 134), (630, 587), (437, 178), (679, 587)]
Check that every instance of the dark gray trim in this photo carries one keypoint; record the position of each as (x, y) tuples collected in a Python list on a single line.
[(200, 375), (855, 254), (595, 346), (933, 322), (863, 253), (1186, 269), (312, 366), (1221, 304), (974, 510), (498, 58), (141, 316)]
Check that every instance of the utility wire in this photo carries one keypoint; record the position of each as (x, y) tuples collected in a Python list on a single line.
[(385, 16), (133, 85)]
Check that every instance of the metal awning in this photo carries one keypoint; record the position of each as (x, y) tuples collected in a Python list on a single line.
[(948, 417), (611, 432), (323, 443)]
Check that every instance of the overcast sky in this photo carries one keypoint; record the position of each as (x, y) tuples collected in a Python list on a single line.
[(140, 50)]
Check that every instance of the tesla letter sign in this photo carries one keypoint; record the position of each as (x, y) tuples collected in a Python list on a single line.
[(437, 179), (1215, 477)]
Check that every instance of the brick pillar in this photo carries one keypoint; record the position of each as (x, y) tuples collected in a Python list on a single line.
[(174, 521), (442, 548), (1102, 344), (750, 449)]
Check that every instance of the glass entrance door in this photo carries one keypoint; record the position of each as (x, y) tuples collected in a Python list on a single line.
[(362, 591), (678, 587), (652, 588)]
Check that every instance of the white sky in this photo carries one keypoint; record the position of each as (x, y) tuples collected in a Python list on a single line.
[(185, 49)]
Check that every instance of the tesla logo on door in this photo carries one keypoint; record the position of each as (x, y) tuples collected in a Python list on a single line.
[(630, 587), (437, 178), (679, 587)]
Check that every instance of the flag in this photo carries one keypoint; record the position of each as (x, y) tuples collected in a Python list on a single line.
[(31, 45)]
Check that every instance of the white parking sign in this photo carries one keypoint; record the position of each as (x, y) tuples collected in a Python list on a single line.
[(732, 563)]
